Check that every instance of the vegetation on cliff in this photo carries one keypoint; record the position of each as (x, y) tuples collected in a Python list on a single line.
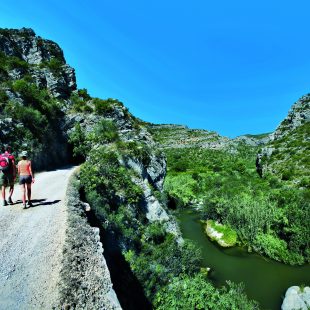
[(269, 216), (32, 114), (160, 262)]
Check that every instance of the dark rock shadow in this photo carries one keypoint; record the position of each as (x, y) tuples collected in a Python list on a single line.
[(127, 287)]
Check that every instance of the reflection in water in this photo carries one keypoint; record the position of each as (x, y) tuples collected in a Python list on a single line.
[(265, 280)]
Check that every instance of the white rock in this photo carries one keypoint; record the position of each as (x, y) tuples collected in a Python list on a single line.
[(296, 298)]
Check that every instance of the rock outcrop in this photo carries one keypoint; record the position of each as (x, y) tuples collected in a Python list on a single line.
[(289, 144), (45, 59), (35, 84), (149, 173), (298, 115), (296, 298), (179, 136)]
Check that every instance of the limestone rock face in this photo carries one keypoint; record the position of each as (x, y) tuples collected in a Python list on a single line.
[(253, 140), (39, 53), (283, 154), (296, 298), (298, 115), (23, 43), (179, 136)]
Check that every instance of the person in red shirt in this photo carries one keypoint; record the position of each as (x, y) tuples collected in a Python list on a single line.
[(8, 178)]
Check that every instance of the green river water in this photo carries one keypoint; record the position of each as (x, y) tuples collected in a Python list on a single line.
[(265, 280)]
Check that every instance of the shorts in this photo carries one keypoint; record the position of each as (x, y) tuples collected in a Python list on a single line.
[(25, 179), (6, 179)]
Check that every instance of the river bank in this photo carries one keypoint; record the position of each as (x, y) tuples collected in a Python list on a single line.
[(265, 280)]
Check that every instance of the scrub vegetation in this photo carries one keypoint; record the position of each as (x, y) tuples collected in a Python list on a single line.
[(30, 116), (162, 265), (269, 216)]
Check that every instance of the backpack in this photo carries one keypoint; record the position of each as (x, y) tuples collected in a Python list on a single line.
[(4, 163)]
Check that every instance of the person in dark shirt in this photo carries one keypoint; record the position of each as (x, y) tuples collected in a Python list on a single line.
[(8, 178)]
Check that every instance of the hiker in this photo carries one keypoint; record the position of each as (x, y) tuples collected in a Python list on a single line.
[(8, 175), (25, 178), (259, 165)]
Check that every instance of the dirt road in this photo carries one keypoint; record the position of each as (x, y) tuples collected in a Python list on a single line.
[(31, 243)]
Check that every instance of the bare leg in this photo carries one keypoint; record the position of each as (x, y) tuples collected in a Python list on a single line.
[(11, 191), (29, 191), (3, 192), (23, 187)]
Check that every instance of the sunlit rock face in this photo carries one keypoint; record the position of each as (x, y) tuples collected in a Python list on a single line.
[(45, 58), (296, 298)]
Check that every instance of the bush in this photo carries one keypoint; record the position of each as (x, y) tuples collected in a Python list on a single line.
[(3, 97), (79, 102), (103, 107), (17, 63), (287, 175), (84, 94), (55, 65), (103, 173), (77, 138), (104, 132), (197, 292)]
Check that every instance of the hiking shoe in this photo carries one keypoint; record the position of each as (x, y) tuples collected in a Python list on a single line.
[(29, 203), (10, 201), (4, 203)]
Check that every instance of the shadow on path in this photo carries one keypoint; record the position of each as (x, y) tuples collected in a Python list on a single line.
[(43, 202), (37, 202)]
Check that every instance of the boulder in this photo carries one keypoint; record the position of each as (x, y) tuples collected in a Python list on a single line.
[(296, 298)]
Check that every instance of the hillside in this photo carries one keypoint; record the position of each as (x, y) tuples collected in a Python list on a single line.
[(132, 174), (269, 214), (35, 86), (170, 136), (121, 178), (287, 154)]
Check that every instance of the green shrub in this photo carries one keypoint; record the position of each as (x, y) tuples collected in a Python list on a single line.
[(196, 292), (287, 175), (3, 97), (104, 132), (103, 173), (77, 138), (55, 65), (154, 233), (30, 117), (84, 94), (103, 107), (16, 63), (80, 103)]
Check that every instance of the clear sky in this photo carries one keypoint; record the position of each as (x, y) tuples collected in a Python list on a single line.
[(235, 67)]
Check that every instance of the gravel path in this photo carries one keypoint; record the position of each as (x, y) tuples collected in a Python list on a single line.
[(31, 243)]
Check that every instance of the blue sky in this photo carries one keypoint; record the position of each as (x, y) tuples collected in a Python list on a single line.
[(235, 67)]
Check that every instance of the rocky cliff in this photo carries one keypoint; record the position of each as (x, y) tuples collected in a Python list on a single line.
[(144, 159), (298, 115), (41, 59), (35, 87), (43, 112), (179, 136), (286, 154)]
